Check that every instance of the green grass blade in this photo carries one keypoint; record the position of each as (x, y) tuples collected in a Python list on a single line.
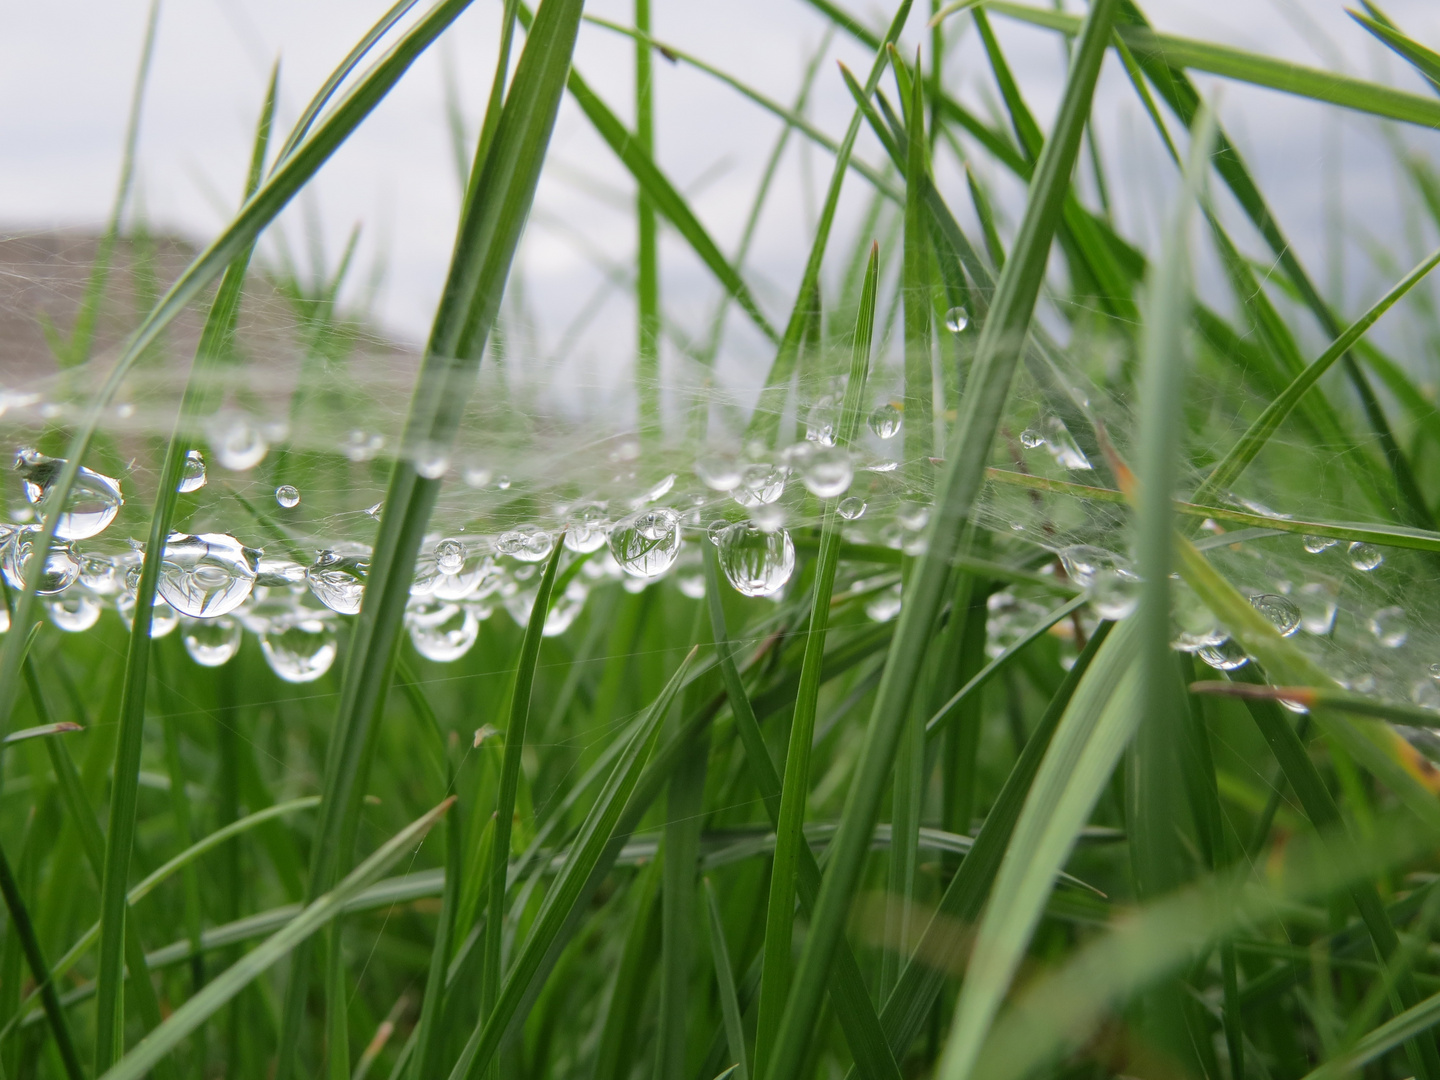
[(1250, 444), (155, 1046), (573, 882), (729, 1004), (1424, 60), (622, 1012), (430, 1035), (795, 788), (1001, 342), (916, 289), (647, 249), (520, 693)]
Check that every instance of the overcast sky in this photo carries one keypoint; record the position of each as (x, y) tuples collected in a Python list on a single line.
[(66, 70)]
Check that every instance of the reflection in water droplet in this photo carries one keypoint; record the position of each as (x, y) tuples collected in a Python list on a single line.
[(74, 611), (62, 564), (288, 496), (885, 421), (822, 421), (279, 573), (442, 631), (1031, 439), (646, 544), (207, 575), (1317, 608), (236, 442), (449, 556), (956, 319), (756, 563), (851, 508), (760, 485), (1316, 544), (192, 473), (163, 618), (338, 582), (528, 543), (1365, 556), (585, 526), (300, 647), (1391, 626), (503, 483), (211, 642), (100, 575), (1062, 445), (91, 506), (1279, 611), (1226, 656)]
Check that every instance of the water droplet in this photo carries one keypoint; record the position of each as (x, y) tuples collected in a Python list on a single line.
[(756, 563), (62, 564), (479, 581), (442, 631), (913, 515), (1365, 556), (885, 421), (851, 508), (237, 443), (300, 647), (1194, 625), (883, 466), (956, 319), (760, 485), (1316, 544), (1279, 611), (646, 544), (691, 584), (1062, 445), (885, 606), (207, 575), (163, 618), (476, 475), (361, 446), (192, 473), (91, 506), (822, 421), (1317, 608), (450, 556), (1113, 586), (719, 472), (1226, 656), (432, 461), (74, 611), (4, 619), (528, 543), (288, 496), (829, 472), (1031, 439), (279, 573), (503, 483), (211, 642), (1391, 626), (659, 491), (100, 575), (338, 582), (585, 526)]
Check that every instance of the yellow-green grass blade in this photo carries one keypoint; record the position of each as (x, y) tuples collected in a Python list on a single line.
[(155, 1046), (1001, 342), (795, 788)]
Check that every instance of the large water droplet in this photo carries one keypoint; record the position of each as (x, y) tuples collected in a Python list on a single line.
[(211, 642), (760, 485), (822, 421), (100, 575), (1365, 556), (442, 631), (646, 544), (238, 444), (956, 319), (828, 472), (585, 526), (450, 555), (192, 473), (1279, 611), (1317, 608), (299, 648), (756, 563), (74, 611), (338, 582), (527, 543), (478, 581), (1316, 544), (91, 506), (62, 564), (163, 618), (1391, 626), (1226, 656), (851, 508), (207, 575), (288, 496), (885, 421)]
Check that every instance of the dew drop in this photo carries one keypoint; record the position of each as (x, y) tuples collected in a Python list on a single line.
[(956, 319), (1031, 439), (62, 564), (288, 496), (646, 544), (1113, 586), (207, 575), (503, 483), (73, 611), (237, 443), (1316, 544), (659, 491), (715, 529), (361, 446), (760, 485), (756, 563), (192, 473), (719, 472), (1317, 608), (822, 421), (432, 461), (91, 506), (851, 508), (885, 606), (163, 618), (442, 631), (1365, 556), (1434, 671), (1226, 656), (211, 642), (450, 556), (279, 573), (885, 421), (299, 647), (1391, 626), (829, 472), (913, 515), (527, 543), (338, 582), (1062, 446), (585, 526), (1279, 611), (100, 575), (476, 475)]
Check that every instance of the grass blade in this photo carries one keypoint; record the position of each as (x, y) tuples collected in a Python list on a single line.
[(729, 1005)]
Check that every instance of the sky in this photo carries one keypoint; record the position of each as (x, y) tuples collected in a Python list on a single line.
[(66, 72)]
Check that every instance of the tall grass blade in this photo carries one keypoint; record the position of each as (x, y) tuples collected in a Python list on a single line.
[(729, 1004)]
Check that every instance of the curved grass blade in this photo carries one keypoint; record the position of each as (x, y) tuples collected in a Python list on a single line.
[(254, 963), (795, 789), (1000, 345)]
